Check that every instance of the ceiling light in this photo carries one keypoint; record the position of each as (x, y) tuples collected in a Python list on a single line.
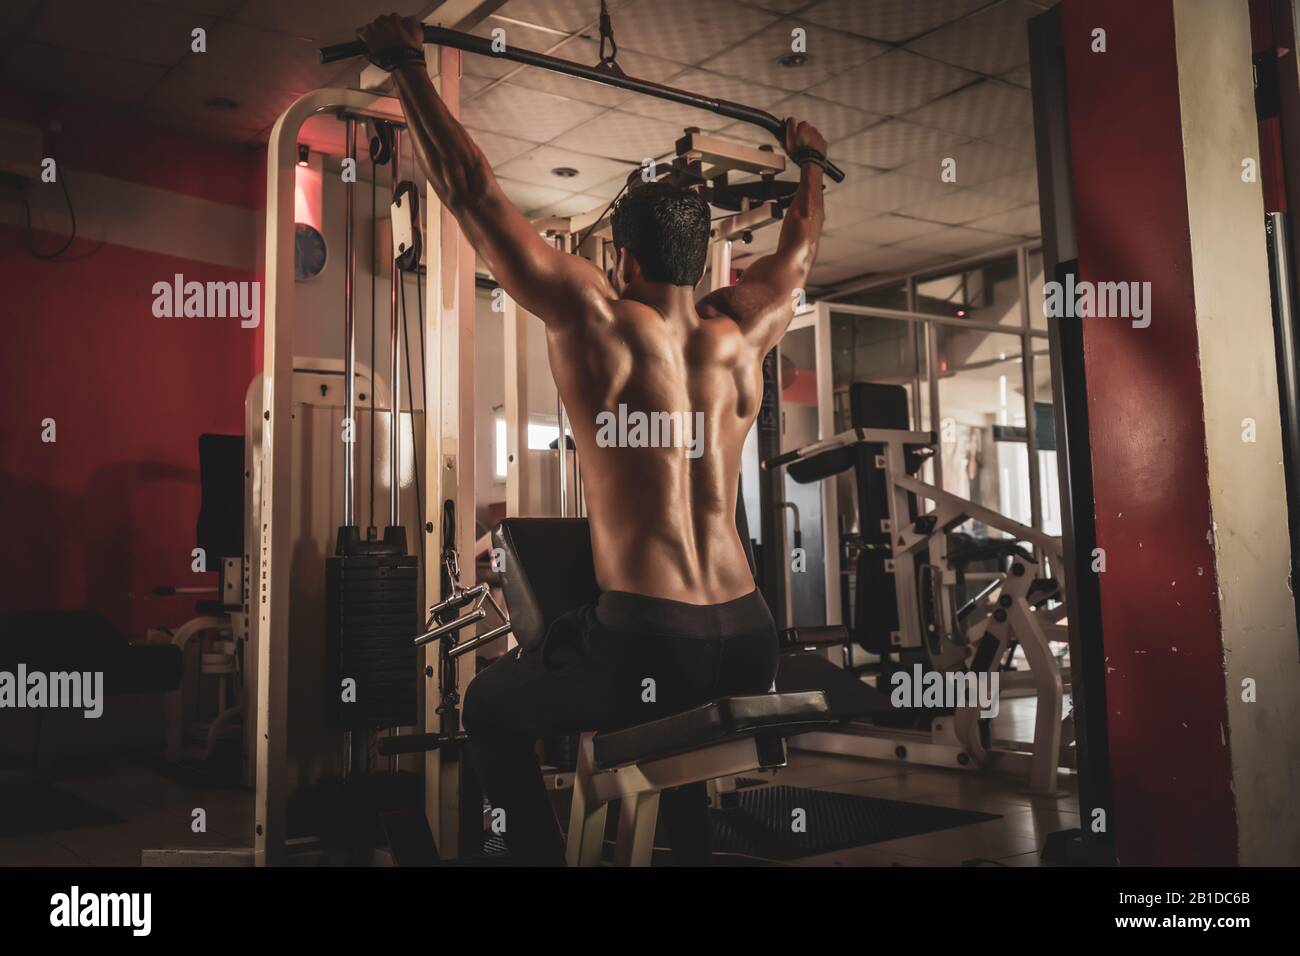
[(793, 60), (564, 172), (304, 153)]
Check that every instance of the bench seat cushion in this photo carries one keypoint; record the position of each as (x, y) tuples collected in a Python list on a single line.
[(53, 641), (724, 718)]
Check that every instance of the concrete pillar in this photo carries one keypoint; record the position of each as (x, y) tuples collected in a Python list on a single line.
[(1185, 436)]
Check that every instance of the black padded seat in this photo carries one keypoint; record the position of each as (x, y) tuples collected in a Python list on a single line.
[(548, 571), (848, 696), (87, 641), (722, 719)]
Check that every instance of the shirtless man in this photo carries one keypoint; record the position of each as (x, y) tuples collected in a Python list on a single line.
[(678, 605)]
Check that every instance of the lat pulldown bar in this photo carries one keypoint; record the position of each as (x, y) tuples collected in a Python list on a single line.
[(441, 36)]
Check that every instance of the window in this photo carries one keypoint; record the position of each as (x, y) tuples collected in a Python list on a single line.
[(540, 435), (500, 448)]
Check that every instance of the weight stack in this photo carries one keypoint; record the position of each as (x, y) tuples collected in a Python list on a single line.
[(372, 617)]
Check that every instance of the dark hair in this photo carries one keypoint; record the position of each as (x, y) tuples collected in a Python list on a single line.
[(666, 226)]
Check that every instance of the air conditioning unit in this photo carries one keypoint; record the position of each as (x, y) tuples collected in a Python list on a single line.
[(21, 150)]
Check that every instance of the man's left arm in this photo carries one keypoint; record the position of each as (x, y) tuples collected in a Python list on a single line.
[(560, 289)]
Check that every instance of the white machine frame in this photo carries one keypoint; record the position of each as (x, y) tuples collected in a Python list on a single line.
[(956, 742)]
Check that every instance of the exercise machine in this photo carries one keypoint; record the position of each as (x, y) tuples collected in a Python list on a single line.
[(921, 602)]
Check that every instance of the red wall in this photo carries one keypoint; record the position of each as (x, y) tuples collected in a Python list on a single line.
[(1165, 689), (98, 518)]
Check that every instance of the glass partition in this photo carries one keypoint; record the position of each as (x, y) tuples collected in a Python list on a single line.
[(988, 292), (799, 427), (1034, 268), (982, 431)]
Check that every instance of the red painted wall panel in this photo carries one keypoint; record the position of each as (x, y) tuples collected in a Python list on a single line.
[(1165, 690), (108, 511)]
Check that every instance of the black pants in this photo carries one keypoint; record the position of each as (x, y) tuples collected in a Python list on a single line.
[(625, 660)]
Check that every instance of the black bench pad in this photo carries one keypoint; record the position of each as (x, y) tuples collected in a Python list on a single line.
[(849, 697), (87, 641), (710, 723)]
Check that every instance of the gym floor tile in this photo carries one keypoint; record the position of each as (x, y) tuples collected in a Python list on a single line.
[(120, 844), (989, 840), (870, 856), (818, 770), (1021, 859), (37, 850)]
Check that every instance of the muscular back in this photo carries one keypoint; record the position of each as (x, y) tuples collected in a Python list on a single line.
[(663, 519)]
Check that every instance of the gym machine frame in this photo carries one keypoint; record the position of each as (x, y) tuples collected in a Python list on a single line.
[(450, 389), (956, 741)]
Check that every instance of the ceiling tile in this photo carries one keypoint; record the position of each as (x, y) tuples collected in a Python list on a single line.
[(707, 84), (571, 206), (882, 192), (886, 259), (1020, 139), (610, 187), (275, 60), (687, 31), (582, 50), (133, 30), (214, 8), (17, 17), (471, 86), (516, 35), (779, 6), (1019, 76), (497, 148), (895, 142), (619, 135), (832, 248), (1024, 221), (1022, 186), (959, 206), (977, 110), (955, 240), (976, 163), (535, 167), (186, 91), (529, 197), (825, 273), (79, 76), (992, 41), (567, 15), (882, 230), (206, 128), (891, 20), (893, 83), (525, 114), (325, 21), (833, 120), (829, 52)]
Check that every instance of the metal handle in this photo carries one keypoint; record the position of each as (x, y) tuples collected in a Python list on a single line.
[(442, 36)]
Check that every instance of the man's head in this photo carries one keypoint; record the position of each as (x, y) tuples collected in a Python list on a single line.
[(661, 231)]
